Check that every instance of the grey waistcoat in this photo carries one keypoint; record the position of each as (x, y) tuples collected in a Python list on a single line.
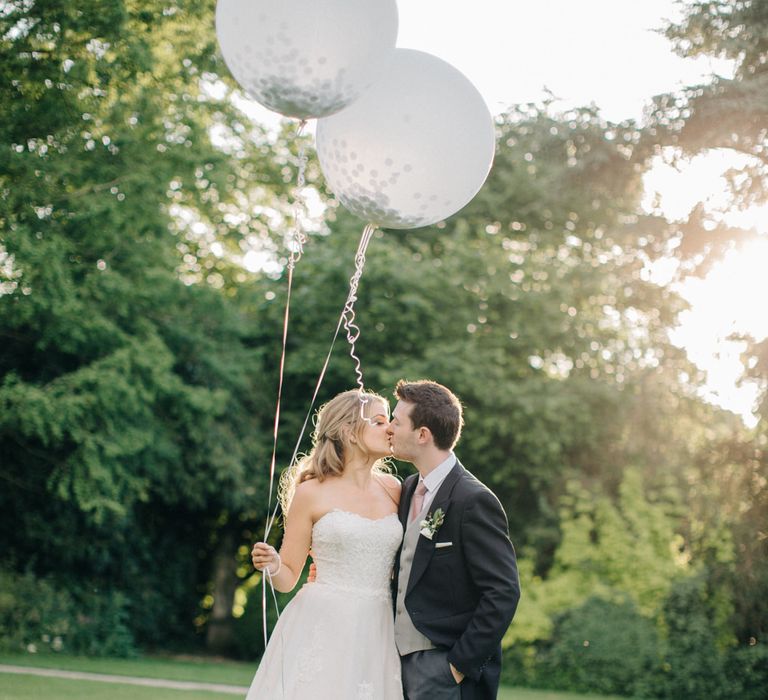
[(407, 637)]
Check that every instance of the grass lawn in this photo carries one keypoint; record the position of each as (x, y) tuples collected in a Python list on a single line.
[(31, 688), (200, 670), (509, 693), (13, 687)]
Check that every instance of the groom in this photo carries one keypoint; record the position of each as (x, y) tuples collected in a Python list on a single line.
[(455, 585)]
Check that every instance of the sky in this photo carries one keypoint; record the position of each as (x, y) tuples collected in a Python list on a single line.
[(606, 53), (601, 51)]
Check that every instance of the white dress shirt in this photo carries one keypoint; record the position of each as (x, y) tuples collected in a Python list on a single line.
[(433, 480)]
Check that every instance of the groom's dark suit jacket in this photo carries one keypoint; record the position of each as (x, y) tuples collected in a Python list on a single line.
[(463, 596)]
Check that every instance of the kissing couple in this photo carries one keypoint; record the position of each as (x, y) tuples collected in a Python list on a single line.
[(415, 583)]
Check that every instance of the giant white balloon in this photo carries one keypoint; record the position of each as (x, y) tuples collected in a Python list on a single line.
[(306, 58), (414, 149)]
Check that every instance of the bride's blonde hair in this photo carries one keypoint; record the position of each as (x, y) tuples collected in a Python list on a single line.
[(338, 421)]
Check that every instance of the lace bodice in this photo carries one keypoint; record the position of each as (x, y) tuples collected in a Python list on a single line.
[(355, 553)]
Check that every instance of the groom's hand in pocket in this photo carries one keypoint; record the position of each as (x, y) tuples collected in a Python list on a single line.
[(458, 676)]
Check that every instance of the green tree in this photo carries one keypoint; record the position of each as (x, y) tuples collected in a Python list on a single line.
[(131, 392), (603, 646), (725, 113), (628, 549)]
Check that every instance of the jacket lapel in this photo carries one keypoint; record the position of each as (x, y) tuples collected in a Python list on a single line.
[(426, 547)]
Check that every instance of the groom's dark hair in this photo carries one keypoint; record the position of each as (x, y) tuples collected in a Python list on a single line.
[(435, 407)]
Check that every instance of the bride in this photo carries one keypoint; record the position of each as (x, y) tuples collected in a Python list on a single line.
[(335, 639)]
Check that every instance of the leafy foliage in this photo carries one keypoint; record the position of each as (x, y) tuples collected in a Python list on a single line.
[(604, 647), (38, 615), (694, 660), (130, 396), (726, 113)]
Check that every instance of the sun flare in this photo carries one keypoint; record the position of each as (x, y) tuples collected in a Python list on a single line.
[(730, 299)]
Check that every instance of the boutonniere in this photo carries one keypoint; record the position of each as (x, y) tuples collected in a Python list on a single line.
[(431, 524)]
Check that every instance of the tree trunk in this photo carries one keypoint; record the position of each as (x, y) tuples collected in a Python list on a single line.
[(220, 633)]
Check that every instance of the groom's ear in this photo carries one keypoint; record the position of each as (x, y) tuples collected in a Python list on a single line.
[(425, 435)]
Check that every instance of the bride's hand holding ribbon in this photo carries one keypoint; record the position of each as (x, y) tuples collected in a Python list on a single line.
[(266, 558)]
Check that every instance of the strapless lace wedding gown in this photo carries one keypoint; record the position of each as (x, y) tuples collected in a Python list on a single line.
[(335, 640)]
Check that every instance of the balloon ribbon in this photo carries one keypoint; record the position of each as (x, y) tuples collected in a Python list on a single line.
[(297, 249), (347, 319)]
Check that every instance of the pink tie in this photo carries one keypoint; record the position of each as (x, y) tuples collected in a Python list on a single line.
[(418, 501)]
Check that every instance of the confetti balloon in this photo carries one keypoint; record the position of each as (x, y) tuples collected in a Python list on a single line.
[(414, 149), (306, 58)]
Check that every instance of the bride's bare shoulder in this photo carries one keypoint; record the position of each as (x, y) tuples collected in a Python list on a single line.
[(316, 497), (306, 497), (307, 487)]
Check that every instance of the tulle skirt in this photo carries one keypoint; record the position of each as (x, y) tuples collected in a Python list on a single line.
[(331, 644)]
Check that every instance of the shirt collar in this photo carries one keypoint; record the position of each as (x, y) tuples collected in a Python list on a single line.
[(433, 480)]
